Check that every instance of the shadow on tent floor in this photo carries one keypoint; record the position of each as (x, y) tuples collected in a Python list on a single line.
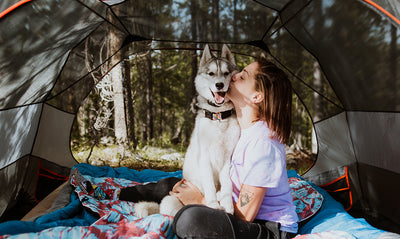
[(22, 206), (43, 206), (379, 222), (27, 209)]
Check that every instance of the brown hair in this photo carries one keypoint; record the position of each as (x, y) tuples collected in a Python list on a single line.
[(276, 108)]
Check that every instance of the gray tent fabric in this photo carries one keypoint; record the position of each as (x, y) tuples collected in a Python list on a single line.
[(52, 139), (386, 129), (355, 44), (334, 145), (18, 142)]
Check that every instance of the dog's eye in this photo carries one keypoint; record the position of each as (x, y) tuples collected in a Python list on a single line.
[(210, 73), (226, 73)]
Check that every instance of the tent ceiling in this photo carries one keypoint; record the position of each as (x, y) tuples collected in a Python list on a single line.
[(44, 32)]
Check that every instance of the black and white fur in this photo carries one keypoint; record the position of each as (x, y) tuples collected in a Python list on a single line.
[(207, 160)]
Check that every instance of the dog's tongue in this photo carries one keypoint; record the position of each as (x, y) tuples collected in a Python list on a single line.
[(219, 97)]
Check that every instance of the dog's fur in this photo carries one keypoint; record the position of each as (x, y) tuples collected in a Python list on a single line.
[(207, 160)]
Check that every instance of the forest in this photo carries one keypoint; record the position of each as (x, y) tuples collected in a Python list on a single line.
[(140, 112)]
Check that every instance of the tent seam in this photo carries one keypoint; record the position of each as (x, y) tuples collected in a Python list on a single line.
[(98, 14), (355, 157), (122, 24), (65, 63), (291, 18), (307, 85), (37, 128)]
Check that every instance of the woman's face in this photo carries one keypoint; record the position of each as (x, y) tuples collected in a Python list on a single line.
[(242, 86)]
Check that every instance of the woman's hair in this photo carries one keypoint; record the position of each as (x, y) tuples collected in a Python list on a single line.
[(276, 108)]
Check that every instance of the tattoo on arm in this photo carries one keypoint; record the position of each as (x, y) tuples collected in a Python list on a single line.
[(245, 197)]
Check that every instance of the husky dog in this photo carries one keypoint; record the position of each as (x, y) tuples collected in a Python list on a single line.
[(215, 134)]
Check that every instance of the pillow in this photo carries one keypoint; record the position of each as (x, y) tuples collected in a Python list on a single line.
[(306, 199)]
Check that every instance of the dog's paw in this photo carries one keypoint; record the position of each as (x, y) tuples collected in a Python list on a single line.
[(143, 209), (227, 205), (228, 208), (215, 205), (170, 205)]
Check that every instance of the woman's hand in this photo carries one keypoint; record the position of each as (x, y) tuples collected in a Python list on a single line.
[(187, 193)]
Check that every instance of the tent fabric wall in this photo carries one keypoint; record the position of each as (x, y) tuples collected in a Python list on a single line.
[(82, 70), (335, 148), (375, 136), (52, 140), (22, 189), (35, 49), (14, 179), (335, 153), (42, 63), (371, 140), (361, 68), (381, 195), (18, 129), (360, 81)]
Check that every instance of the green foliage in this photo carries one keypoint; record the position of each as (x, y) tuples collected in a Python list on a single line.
[(148, 156)]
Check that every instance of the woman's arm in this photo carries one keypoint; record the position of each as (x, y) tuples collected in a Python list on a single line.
[(249, 202), (250, 198)]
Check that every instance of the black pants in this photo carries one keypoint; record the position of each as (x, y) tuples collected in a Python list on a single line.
[(199, 221)]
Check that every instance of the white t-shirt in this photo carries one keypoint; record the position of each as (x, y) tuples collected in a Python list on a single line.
[(260, 161)]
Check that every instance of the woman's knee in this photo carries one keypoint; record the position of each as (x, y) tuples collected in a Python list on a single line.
[(199, 221)]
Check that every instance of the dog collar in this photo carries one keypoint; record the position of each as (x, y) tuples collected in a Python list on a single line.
[(218, 115)]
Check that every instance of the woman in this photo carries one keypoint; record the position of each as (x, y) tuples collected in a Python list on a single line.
[(262, 96)]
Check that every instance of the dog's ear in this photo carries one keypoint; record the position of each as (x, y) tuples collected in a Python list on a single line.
[(207, 55), (226, 53)]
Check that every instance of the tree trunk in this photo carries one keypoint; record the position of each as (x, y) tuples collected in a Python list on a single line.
[(119, 108), (235, 17), (82, 121), (146, 73), (317, 82), (203, 29), (190, 93), (149, 97), (115, 43), (161, 92), (130, 115), (215, 21)]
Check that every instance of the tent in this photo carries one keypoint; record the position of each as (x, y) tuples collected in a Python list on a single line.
[(355, 44)]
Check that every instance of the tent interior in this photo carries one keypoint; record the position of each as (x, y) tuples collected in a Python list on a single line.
[(52, 56)]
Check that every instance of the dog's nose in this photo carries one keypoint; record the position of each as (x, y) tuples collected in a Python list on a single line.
[(219, 85)]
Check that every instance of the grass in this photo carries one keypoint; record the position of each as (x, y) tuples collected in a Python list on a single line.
[(148, 157), (167, 158)]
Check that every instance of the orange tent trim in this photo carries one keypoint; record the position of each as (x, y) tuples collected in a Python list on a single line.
[(372, 3), (13, 7)]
